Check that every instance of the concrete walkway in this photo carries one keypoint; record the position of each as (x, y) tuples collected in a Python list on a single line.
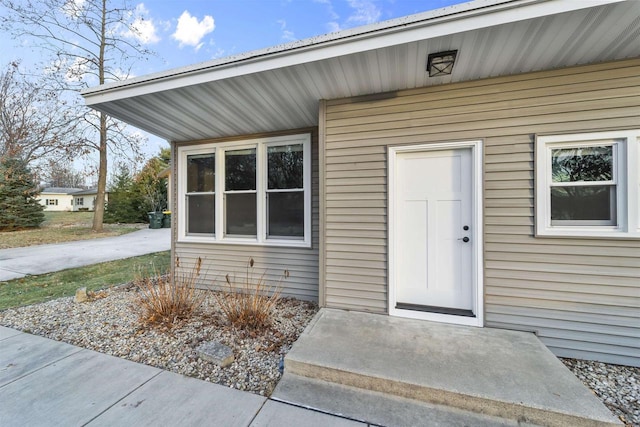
[(47, 383), (19, 262)]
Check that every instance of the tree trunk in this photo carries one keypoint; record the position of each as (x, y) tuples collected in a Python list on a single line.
[(98, 214)]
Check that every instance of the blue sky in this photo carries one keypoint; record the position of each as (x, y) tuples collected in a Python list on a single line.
[(184, 32), (189, 31)]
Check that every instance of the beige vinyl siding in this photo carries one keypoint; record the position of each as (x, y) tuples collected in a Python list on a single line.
[(582, 296), (222, 259)]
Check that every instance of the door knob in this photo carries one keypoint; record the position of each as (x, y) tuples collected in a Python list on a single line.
[(464, 239)]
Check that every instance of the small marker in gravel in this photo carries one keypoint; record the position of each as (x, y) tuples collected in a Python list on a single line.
[(215, 352), (81, 295)]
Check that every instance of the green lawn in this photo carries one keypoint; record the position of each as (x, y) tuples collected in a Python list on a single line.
[(45, 287), (62, 227), (63, 219)]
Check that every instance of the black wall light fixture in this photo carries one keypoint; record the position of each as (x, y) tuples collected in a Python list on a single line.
[(441, 63)]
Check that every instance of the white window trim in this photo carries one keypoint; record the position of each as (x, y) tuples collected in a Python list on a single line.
[(627, 180), (261, 145)]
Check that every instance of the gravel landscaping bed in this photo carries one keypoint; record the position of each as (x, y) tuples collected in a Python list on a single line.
[(617, 386), (110, 324)]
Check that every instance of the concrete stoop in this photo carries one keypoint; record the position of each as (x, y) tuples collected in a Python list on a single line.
[(374, 408), (502, 377)]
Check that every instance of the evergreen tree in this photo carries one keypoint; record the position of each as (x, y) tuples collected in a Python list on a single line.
[(123, 203), (150, 189), (19, 207), (165, 156), (131, 198)]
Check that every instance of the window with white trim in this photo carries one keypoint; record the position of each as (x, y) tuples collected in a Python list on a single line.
[(246, 192), (285, 191), (200, 193), (240, 193), (587, 185)]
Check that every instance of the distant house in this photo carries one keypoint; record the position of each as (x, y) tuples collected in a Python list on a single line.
[(57, 198), (474, 165), (85, 200)]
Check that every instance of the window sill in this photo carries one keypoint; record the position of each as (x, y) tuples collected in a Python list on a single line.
[(245, 242), (588, 233)]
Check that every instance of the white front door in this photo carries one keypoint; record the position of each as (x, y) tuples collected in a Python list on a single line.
[(433, 232)]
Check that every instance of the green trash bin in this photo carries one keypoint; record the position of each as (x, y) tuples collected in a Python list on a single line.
[(155, 220), (166, 219)]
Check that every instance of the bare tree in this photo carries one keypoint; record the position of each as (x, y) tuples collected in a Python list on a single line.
[(60, 174), (90, 42), (34, 122)]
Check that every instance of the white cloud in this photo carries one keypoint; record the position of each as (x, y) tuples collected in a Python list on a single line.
[(219, 53), (76, 71), (141, 27), (147, 31), (287, 35), (165, 25), (190, 32), (330, 9), (362, 12), (73, 8), (54, 67), (73, 72), (120, 74), (333, 27), (365, 12)]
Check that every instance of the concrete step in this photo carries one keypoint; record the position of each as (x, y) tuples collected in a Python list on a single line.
[(505, 374), (375, 408)]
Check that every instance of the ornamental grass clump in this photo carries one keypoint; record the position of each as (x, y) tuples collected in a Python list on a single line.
[(249, 303), (163, 300)]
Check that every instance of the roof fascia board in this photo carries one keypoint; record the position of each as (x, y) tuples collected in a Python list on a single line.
[(502, 13)]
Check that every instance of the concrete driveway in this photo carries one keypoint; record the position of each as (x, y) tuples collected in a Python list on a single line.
[(19, 262)]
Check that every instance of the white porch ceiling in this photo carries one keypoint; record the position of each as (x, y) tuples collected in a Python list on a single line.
[(208, 100)]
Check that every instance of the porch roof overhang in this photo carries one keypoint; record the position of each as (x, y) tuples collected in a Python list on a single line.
[(278, 88)]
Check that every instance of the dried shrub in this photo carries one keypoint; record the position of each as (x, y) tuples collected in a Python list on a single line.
[(249, 303), (97, 295), (163, 300)]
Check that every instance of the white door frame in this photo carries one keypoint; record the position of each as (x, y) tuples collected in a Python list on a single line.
[(476, 234)]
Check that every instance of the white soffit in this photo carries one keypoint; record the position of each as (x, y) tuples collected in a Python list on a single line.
[(279, 88)]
